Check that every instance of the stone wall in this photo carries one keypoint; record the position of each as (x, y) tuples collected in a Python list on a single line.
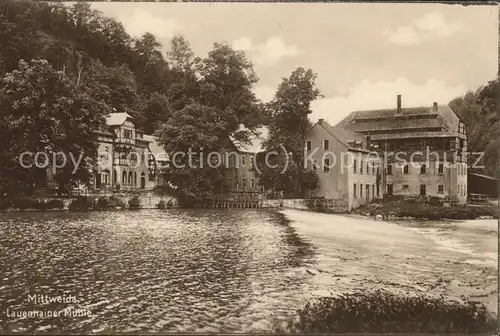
[(149, 200), (339, 206)]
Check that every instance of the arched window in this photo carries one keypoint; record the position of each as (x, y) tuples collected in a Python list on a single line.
[(114, 176), (124, 177), (135, 178), (130, 176)]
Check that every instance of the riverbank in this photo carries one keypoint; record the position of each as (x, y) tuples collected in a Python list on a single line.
[(453, 260), (414, 209)]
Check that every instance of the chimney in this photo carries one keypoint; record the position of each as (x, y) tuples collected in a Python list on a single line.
[(321, 120), (398, 110), (435, 106)]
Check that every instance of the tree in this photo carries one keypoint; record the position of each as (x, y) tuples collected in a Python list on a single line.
[(482, 129), (43, 112), (227, 78), (155, 111), (195, 129), (289, 123)]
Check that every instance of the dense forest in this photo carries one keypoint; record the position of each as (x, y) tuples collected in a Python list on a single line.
[(63, 68), (480, 110)]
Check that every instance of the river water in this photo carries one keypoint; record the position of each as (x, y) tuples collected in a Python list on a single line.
[(151, 271), (220, 271)]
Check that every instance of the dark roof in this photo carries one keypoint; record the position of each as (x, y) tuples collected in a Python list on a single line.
[(409, 135), (484, 176), (397, 123), (424, 121)]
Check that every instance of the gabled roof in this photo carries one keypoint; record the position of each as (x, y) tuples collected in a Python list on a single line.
[(255, 146), (155, 148), (418, 119), (483, 176), (256, 143), (344, 136), (117, 119)]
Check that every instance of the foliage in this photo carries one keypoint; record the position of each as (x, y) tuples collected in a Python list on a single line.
[(480, 111), (102, 204), (81, 203), (161, 204), (115, 202), (382, 312), (54, 204), (45, 113), (134, 203), (289, 123), (221, 108), (24, 203), (426, 208)]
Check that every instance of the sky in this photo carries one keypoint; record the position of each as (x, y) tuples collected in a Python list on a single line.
[(364, 54)]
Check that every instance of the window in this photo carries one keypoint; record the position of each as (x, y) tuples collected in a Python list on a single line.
[(406, 186), (326, 165), (389, 169), (389, 189), (355, 191), (461, 128), (423, 191), (231, 161), (355, 166), (104, 178), (373, 190), (367, 167), (406, 168), (360, 190), (230, 182), (326, 144), (440, 168), (252, 160), (308, 145), (361, 167), (243, 160), (423, 168), (243, 184), (252, 183), (127, 134)]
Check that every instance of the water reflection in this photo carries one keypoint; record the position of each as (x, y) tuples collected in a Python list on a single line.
[(152, 271)]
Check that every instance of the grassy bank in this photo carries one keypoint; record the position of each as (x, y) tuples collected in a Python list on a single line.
[(425, 209), (381, 312)]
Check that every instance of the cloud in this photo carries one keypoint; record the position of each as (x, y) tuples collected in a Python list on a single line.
[(267, 53), (243, 44), (430, 26), (264, 92), (141, 22), (368, 95)]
